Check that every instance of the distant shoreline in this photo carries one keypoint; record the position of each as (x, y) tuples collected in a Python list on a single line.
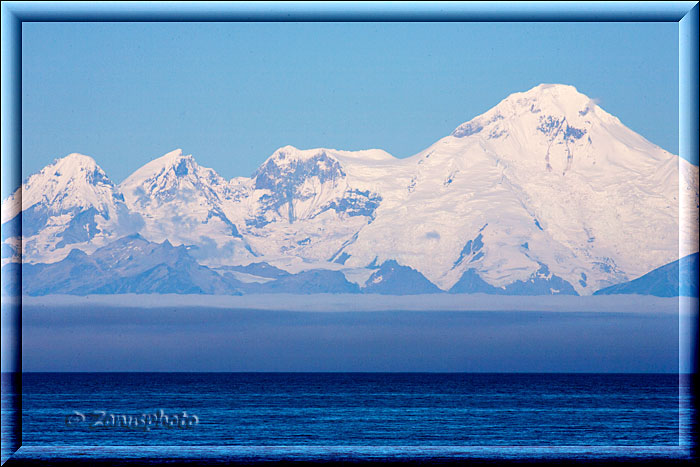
[(357, 302)]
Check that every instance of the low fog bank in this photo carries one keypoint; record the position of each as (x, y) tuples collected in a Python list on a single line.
[(354, 302), (190, 338), (433, 333)]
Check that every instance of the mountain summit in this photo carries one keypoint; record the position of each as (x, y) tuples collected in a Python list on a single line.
[(545, 193), (71, 203), (186, 203)]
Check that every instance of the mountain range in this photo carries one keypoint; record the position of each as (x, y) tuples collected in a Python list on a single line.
[(546, 193)]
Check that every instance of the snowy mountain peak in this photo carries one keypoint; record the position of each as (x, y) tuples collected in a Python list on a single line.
[(554, 91), (171, 159), (289, 155), (73, 168), (68, 203), (287, 149), (289, 166), (75, 161), (183, 202), (314, 186), (167, 177), (73, 181), (325, 162), (550, 99), (563, 96), (174, 161), (546, 108), (174, 154)]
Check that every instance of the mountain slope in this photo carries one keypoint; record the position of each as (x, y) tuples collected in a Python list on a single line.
[(671, 280), (545, 177), (69, 204), (394, 279), (185, 203), (310, 204), (128, 265), (308, 282)]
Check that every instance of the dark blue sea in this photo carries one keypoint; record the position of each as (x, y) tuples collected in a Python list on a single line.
[(352, 414)]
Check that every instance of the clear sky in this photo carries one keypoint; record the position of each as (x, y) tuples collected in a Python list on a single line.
[(232, 93)]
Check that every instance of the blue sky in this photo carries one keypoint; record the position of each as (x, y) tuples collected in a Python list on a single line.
[(232, 93)]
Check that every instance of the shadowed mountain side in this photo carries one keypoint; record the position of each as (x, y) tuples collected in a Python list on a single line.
[(257, 269), (471, 282), (540, 283), (543, 282), (679, 278), (306, 282), (128, 265), (394, 279)]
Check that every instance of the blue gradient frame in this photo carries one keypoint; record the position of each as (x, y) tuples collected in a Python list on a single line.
[(13, 14)]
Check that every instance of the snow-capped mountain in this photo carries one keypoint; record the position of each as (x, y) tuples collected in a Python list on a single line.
[(68, 204), (545, 193), (185, 203), (545, 177), (309, 204)]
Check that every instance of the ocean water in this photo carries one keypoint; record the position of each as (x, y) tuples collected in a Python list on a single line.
[(351, 412)]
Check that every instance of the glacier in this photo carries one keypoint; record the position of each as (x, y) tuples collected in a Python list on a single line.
[(545, 193)]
